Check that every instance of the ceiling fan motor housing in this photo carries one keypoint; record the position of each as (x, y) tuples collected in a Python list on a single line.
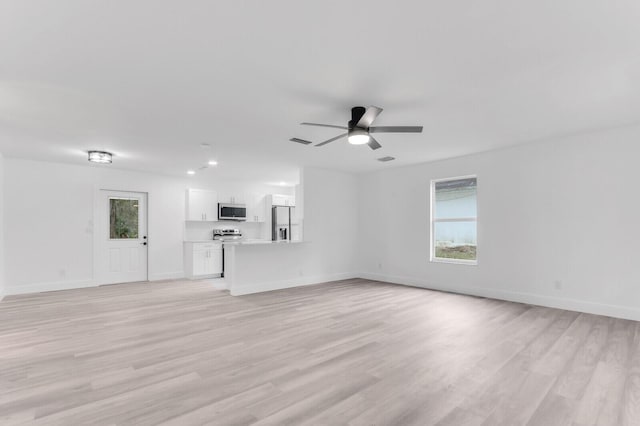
[(356, 115)]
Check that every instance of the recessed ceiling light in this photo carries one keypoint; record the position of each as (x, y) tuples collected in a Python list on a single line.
[(213, 163), (385, 159), (191, 172), (283, 183), (100, 157)]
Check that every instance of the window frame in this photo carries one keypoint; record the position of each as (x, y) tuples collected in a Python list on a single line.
[(433, 221)]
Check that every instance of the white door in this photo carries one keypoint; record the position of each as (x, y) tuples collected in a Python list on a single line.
[(124, 237)]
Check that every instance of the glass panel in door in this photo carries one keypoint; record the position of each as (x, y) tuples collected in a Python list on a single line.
[(123, 218)]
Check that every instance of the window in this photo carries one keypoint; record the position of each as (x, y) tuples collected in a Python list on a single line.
[(123, 218), (454, 220)]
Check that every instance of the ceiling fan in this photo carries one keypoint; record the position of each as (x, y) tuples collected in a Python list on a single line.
[(359, 128)]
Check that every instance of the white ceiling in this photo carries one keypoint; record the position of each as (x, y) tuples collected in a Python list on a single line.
[(152, 80)]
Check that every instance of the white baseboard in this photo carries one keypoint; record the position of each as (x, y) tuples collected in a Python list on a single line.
[(48, 286), (616, 311), (239, 290)]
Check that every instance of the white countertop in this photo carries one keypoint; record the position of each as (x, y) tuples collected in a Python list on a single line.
[(243, 242), (258, 242)]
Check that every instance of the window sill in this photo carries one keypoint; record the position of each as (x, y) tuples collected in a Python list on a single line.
[(454, 261)]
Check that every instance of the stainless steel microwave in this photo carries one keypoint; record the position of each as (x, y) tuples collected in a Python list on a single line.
[(232, 212)]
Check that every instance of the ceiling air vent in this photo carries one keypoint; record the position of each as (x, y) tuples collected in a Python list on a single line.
[(387, 158)]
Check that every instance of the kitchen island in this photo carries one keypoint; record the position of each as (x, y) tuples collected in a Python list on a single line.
[(254, 266)]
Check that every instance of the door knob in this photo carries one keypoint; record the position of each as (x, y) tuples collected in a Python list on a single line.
[(144, 244)]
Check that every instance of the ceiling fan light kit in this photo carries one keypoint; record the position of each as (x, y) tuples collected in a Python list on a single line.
[(358, 137), (359, 128)]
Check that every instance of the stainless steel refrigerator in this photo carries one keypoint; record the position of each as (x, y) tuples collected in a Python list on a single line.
[(281, 223)]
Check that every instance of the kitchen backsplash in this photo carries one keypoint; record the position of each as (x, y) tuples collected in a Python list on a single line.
[(204, 230)]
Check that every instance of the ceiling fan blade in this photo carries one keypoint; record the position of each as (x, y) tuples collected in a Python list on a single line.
[(302, 141), (332, 139), (369, 115), (325, 125), (396, 129), (373, 144)]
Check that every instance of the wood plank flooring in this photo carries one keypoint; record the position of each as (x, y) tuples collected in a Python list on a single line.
[(352, 352)]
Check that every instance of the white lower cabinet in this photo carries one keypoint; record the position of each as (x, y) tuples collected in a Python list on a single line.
[(202, 260)]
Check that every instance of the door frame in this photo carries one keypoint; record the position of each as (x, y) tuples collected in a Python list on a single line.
[(98, 274)]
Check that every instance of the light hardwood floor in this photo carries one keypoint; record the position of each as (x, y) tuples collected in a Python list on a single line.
[(352, 352)]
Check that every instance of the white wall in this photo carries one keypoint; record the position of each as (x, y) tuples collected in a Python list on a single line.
[(1, 226), (559, 224), (330, 220), (49, 221)]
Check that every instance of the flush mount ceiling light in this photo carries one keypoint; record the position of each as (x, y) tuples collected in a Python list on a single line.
[(213, 163), (100, 157), (191, 172)]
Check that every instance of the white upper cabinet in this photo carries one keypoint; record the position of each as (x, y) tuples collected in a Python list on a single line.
[(231, 198), (256, 207), (202, 205), (283, 200)]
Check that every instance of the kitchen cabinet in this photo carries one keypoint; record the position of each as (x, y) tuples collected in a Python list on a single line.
[(202, 205), (202, 260), (283, 200), (256, 208), (230, 198)]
